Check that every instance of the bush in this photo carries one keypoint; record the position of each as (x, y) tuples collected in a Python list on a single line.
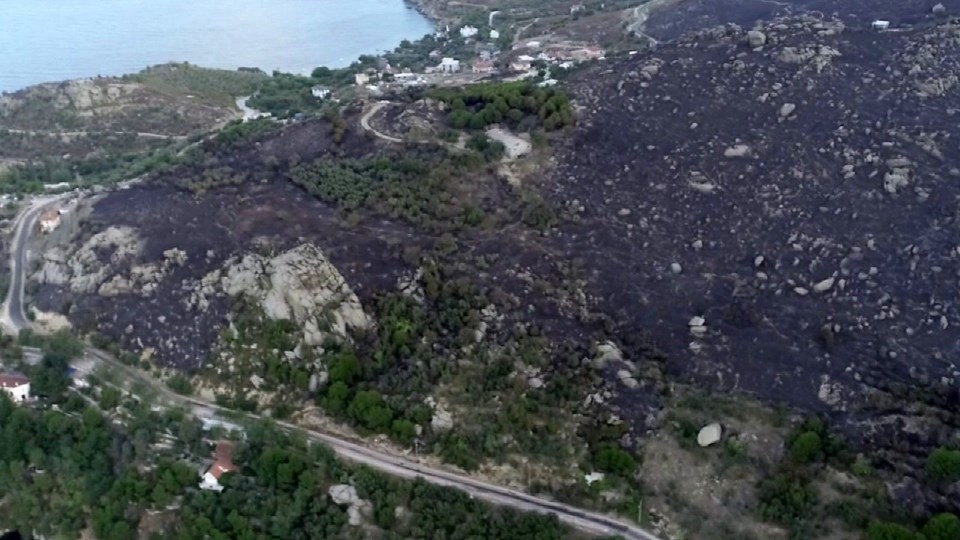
[(942, 527), (785, 499), (180, 384), (943, 465), (806, 448), (890, 531), (611, 459)]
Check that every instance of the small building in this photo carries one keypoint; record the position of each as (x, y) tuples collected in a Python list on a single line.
[(222, 464), (15, 385), (361, 79), (880, 24), (482, 66), (320, 92), (520, 65), (449, 65), (468, 32), (576, 8), (49, 221), (494, 34), (533, 44)]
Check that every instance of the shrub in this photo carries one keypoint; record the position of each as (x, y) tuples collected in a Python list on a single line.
[(806, 448), (785, 499), (943, 465), (942, 527), (180, 384), (609, 458), (890, 531)]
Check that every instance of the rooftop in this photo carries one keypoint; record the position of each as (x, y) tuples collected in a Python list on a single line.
[(13, 380)]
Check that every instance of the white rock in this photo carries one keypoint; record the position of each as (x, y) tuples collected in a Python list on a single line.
[(737, 151), (442, 420), (697, 321), (593, 477), (710, 434), (824, 285), (676, 268), (756, 38), (607, 352), (787, 109)]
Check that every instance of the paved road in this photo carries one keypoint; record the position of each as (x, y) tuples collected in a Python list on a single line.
[(351, 450), (12, 317), (44, 133)]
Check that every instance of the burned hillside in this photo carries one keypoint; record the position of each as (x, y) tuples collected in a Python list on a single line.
[(780, 208), (674, 19)]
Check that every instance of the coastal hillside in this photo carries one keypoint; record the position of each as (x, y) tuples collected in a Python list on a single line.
[(708, 286), (155, 107)]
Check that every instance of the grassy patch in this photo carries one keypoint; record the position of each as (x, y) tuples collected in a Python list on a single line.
[(217, 86)]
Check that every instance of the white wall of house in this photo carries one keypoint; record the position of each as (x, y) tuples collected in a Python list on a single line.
[(19, 394), (210, 483)]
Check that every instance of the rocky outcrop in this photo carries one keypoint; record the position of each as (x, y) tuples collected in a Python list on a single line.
[(300, 285), (92, 266), (357, 508)]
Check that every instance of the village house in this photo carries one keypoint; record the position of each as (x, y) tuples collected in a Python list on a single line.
[(16, 385), (49, 221), (482, 66), (494, 34), (449, 65), (362, 79), (320, 92), (222, 464), (468, 32)]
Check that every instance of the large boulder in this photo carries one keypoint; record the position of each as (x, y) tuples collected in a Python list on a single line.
[(710, 434)]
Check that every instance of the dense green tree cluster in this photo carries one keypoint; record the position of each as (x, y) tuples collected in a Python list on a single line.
[(420, 187), (520, 105), (62, 472)]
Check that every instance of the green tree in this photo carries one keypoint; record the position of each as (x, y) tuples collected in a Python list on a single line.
[(942, 527), (612, 459), (336, 399), (806, 448), (890, 531), (943, 465)]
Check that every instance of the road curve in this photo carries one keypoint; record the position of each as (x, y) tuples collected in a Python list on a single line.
[(354, 451), (12, 316), (365, 122)]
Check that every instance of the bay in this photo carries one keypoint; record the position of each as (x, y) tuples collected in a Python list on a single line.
[(52, 40)]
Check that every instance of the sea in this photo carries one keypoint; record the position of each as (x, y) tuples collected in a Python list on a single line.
[(53, 40)]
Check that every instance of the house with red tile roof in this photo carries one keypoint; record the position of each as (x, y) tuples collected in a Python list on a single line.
[(222, 464), (16, 385)]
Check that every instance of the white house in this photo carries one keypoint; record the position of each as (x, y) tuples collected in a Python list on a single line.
[(49, 221), (468, 31), (881, 25), (320, 92), (222, 464), (16, 385), (362, 79), (494, 34), (449, 65)]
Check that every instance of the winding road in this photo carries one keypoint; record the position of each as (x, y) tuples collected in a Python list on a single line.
[(14, 319)]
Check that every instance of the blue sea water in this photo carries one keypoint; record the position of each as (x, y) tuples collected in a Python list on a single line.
[(52, 40)]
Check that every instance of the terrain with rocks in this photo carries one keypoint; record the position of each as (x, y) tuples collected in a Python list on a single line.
[(778, 206), (80, 117), (675, 18), (764, 213)]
